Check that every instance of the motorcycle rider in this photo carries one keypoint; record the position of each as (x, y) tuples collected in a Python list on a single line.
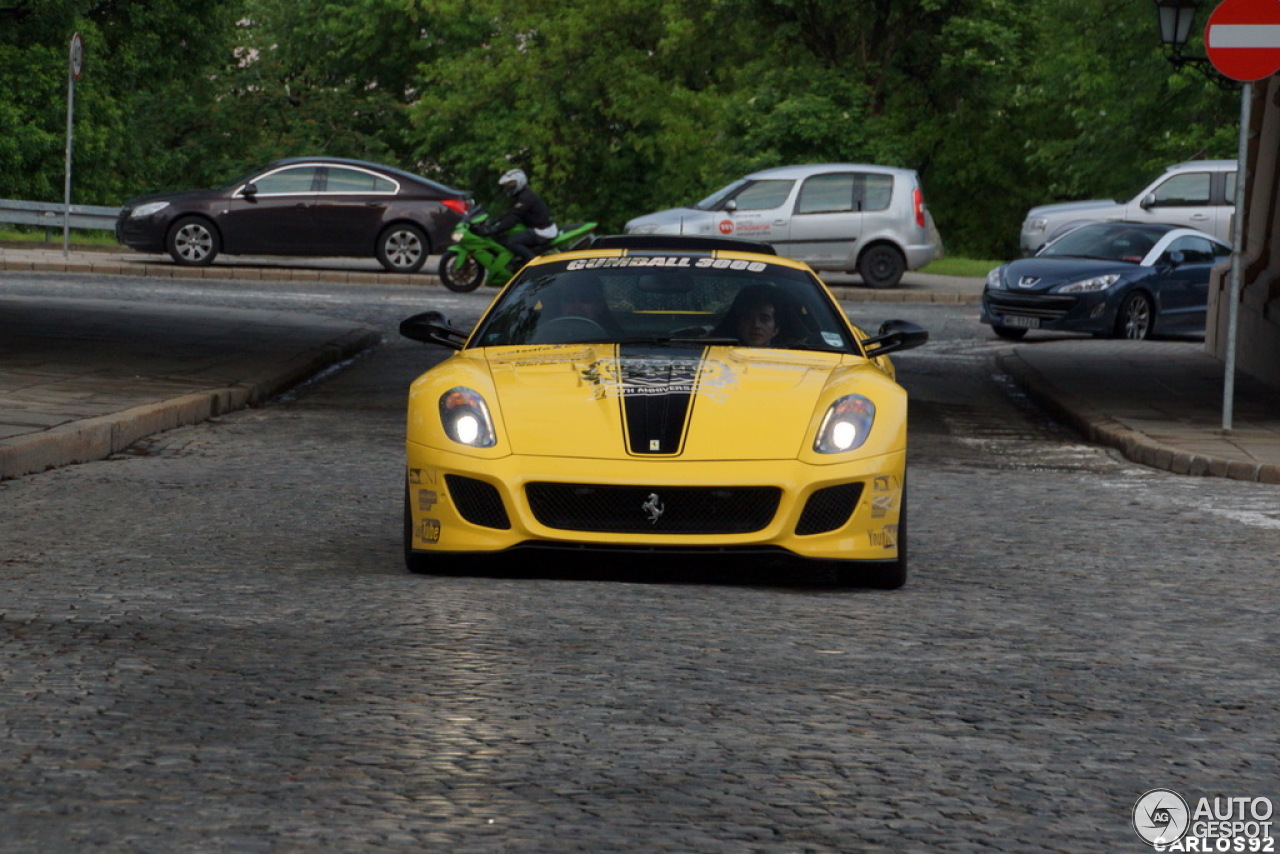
[(527, 209)]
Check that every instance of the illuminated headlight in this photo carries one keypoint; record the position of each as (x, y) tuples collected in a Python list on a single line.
[(456, 236), (1097, 283), (846, 425), (466, 418), (995, 280), (148, 209)]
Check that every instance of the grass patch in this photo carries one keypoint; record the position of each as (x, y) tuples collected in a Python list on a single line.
[(76, 236), (975, 267)]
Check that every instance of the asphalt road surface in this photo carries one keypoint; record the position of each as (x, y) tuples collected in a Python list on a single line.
[(209, 643)]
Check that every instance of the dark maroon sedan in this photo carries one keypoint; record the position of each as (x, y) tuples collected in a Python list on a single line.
[(302, 206)]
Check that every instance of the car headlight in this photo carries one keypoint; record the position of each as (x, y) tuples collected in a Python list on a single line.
[(148, 209), (456, 237), (1035, 225), (647, 228), (846, 425), (1096, 283), (994, 279), (466, 418)]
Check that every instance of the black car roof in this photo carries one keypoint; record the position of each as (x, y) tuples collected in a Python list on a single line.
[(683, 242)]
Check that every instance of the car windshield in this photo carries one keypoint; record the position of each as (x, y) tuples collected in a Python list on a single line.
[(677, 300), (715, 201), (1106, 242)]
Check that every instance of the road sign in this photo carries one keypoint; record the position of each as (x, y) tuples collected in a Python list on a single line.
[(1242, 39), (77, 55)]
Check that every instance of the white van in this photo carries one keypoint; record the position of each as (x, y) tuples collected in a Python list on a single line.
[(845, 217)]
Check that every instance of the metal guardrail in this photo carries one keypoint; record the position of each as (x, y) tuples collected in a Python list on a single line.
[(49, 215)]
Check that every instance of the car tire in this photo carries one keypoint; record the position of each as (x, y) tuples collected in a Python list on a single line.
[(461, 278), (881, 266), (1009, 333), (193, 241), (880, 575), (1136, 318), (403, 248)]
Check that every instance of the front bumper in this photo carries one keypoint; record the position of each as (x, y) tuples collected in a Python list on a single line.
[(1090, 312), (845, 511)]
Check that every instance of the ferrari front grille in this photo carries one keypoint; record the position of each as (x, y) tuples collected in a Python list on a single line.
[(828, 509), (653, 510), (478, 502)]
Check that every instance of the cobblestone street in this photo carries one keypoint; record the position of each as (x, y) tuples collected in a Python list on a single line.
[(209, 643)]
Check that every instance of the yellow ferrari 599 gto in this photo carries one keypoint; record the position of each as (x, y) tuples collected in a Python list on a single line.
[(661, 395)]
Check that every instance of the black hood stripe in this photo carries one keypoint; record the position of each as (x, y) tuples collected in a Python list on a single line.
[(658, 385)]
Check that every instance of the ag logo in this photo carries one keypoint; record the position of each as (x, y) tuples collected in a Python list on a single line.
[(726, 226), (1161, 817)]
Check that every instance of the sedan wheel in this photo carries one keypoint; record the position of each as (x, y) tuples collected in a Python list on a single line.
[(192, 242), (1136, 319), (402, 248)]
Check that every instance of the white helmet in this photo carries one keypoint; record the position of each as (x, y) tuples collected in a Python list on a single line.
[(513, 181)]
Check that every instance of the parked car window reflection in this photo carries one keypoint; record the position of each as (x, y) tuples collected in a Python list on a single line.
[(763, 195), (1190, 188), (286, 181), (356, 181)]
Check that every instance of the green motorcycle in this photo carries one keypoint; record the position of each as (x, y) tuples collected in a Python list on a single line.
[(474, 259)]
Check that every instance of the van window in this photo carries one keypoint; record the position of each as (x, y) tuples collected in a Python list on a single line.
[(826, 194), (1189, 188), (845, 191), (873, 192), (762, 195)]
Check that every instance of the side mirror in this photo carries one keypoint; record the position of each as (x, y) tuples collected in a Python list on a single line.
[(1148, 201), (1176, 258), (894, 336), (432, 327), (730, 206), (249, 190)]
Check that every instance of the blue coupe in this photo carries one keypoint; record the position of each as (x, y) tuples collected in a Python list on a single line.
[(1121, 279)]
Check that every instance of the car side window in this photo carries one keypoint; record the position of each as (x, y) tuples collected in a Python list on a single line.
[(356, 181), (1195, 250), (1231, 188), (299, 179), (1185, 190), (873, 192), (763, 195), (826, 194)]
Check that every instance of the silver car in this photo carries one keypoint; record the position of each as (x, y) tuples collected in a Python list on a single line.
[(1197, 194), (843, 217)]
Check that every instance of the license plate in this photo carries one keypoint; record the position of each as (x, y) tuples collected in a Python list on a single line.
[(1024, 322)]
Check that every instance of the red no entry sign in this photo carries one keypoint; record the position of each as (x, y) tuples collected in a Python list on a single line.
[(1242, 38)]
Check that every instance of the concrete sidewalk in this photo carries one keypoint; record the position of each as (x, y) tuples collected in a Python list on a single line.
[(81, 380)]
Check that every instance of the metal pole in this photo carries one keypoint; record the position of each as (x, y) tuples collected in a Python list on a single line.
[(66, 190), (1233, 301)]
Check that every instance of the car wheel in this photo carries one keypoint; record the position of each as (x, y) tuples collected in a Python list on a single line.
[(193, 242), (881, 575), (402, 248), (461, 277), (1136, 320), (1009, 333), (881, 266)]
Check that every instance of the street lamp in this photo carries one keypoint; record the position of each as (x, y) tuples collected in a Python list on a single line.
[(1176, 18)]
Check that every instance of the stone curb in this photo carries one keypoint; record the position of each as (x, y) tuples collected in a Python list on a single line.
[(99, 438), (1102, 429)]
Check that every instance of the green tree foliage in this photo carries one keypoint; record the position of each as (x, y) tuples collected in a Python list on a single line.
[(614, 107), (147, 79)]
